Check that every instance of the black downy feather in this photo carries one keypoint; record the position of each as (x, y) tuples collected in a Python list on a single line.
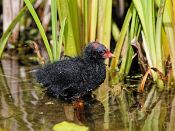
[(74, 78)]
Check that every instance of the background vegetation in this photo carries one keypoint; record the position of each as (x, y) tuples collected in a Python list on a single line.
[(141, 34)]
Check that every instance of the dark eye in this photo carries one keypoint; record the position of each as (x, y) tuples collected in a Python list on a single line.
[(101, 52)]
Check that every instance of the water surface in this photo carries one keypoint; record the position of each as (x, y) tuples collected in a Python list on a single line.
[(25, 107)]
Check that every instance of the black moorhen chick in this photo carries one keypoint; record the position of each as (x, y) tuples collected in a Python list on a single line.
[(74, 78)]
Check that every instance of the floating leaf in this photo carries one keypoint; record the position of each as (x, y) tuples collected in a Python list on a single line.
[(67, 126)]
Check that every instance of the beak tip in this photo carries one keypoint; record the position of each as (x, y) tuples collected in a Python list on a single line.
[(108, 55)]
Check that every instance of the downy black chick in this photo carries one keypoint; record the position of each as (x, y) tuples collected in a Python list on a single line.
[(74, 78)]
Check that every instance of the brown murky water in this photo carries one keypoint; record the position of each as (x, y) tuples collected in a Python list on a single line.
[(24, 107)]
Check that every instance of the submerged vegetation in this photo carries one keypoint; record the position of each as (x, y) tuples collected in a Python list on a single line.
[(143, 42)]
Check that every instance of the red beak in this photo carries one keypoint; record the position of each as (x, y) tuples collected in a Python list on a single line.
[(108, 54)]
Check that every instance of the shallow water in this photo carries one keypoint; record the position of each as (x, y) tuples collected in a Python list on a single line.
[(25, 107)]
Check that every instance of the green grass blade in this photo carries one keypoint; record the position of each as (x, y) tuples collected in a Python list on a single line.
[(67, 9), (115, 31), (107, 23), (170, 33), (133, 24), (131, 36), (147, 51), (54, 28), (145, 10), (81, 15), (61, 37), (93, 20), (40, 27), (73, 10), (124, 56), (151, 31), (158, 38), (139, 8), (119, 45), (86, 21), (3, 42)]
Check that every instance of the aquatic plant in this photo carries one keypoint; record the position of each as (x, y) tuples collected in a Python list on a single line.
[(154, 26)]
